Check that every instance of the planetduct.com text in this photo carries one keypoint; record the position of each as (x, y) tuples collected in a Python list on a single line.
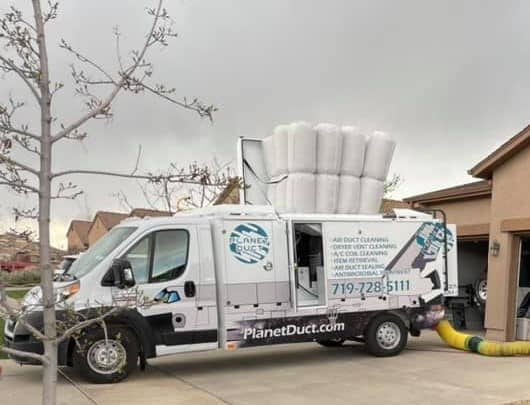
[(292, 330)]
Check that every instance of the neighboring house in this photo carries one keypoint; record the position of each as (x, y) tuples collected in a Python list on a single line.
[(493, 226), (103, 222), (77, 236), (230, 195), (14, 247), (144, 212), (388, 205)]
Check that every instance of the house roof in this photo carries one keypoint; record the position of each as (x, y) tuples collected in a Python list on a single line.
[(230, 195), (146, 212), (470, 190), (388, 205), (109, 219), (81, 228), (484, 169)]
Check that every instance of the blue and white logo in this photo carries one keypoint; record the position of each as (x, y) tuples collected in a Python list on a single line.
[(249, 243)]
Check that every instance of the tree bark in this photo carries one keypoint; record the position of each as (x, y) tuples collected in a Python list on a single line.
[(49, 381)]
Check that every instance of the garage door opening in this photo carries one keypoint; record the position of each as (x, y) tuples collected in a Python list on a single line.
[(467, 310)]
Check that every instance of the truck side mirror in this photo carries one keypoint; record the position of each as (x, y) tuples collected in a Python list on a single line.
[(122, 273)]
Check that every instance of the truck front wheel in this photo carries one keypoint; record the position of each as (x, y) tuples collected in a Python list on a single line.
[(106, 359), (386, 335)]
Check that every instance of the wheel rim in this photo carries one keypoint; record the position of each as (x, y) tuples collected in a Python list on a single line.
[(388, 335), (482, 290), (106, 356)]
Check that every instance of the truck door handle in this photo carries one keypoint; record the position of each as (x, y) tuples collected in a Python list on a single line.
[(189, 289)]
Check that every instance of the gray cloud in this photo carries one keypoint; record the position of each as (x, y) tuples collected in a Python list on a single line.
[(448, 79)]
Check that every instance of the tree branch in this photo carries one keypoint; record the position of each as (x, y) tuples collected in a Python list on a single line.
[(21, 74), (22, 132), (19, 353), (84, 324), (21, 166), (19, 185), (104, 105)]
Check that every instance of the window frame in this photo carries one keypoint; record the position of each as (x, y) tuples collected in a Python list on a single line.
[(151, 252)]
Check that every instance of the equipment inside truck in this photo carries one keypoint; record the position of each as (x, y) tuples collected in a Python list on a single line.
[(310, 284)]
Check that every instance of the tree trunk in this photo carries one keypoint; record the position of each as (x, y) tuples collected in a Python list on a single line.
[(49, 380)]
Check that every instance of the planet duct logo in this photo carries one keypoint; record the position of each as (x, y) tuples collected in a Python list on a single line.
[(249, 243)]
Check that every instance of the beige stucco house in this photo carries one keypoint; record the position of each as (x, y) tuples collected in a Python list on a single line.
[(103, 222), (77, 235), (493, 226)]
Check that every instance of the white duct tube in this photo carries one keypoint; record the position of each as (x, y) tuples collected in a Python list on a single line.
[(353, 151), (280, 142), (372, 191), (379, 152), (327, 192), (349, 195), (329, 148), (300, 193), (301, 148)]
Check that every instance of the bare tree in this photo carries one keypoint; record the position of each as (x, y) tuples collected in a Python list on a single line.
[(175, 189), (393, 184), (26, 153)]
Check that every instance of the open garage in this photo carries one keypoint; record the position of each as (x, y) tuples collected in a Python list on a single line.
[(493, 226)]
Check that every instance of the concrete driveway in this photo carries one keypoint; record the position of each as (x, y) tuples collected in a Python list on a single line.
[(305, 374)]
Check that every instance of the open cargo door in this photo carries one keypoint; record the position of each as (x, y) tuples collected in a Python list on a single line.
[(251, 165)]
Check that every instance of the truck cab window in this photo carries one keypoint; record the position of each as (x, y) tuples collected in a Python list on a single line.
[(170, 255), (160, 256), (139, 257)]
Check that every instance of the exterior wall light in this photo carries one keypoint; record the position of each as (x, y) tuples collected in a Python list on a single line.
[(495, 248)]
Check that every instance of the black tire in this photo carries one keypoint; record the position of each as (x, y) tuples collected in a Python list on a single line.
[(480, 288), (331, 342), (386, 335), (120, 349)]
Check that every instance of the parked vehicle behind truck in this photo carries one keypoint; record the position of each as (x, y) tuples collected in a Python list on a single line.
[(230, 277)]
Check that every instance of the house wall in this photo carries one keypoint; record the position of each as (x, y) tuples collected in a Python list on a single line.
[(472, 216), (510, 201), (97, 230), (74, 242)]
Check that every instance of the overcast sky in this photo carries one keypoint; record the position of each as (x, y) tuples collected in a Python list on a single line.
[(448, 79)]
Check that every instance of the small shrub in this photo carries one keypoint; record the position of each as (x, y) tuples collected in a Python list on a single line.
[(23, 277)]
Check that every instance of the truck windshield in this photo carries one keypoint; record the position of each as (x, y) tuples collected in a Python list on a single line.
[(93, 256)]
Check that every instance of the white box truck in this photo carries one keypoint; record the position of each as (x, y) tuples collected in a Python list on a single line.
[(236, 276)]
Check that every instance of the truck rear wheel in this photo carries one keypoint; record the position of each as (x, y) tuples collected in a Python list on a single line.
[(386, 335), (105, 360)]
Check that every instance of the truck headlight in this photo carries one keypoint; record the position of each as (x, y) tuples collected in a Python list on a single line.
[(68, 291)]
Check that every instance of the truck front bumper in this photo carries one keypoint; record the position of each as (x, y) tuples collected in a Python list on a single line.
[(17, 337)]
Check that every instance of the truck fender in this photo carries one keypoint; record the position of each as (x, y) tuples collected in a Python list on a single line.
[(129, 318), (402, 315), (139, 325)]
